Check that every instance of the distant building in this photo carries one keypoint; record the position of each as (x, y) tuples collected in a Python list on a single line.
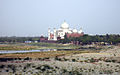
[(28, 41), (64, 29), (43, 39), (35, 41)]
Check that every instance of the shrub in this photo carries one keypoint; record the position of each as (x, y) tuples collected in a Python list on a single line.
[(13, 68), (27, 58), (2, 66), (39, 58), (46, 66), (108, 64), (73, 60), (108, 72), (64, 70), (65, 59), (92, 60), (9, 66), (28, 65), (46, 58), (38, 67), (114, 61), (75, 72), (7, 70), (85, 60), (107, 60), (56, 58)]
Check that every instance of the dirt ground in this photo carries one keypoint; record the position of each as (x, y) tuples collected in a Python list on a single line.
[(89, 62)]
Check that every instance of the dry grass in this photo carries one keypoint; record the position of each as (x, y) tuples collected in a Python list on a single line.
[(45, 54), (16, 47)]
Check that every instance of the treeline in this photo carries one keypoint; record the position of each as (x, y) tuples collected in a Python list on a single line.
[(85, 39), (89, 39), (18, 39)]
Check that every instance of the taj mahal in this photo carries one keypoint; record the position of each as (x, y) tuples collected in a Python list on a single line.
[(64, 29)]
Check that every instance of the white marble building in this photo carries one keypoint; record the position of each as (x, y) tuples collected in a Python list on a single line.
[(62, 31)]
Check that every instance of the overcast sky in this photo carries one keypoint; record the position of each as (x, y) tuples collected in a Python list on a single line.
[(34, 17)]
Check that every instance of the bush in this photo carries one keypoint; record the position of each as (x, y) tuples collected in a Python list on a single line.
[(39, 58), (110, 60), (64, 70), (114, 61), (65, 59), (2, 66), (75, 72), (27, 58), (107, 60), (47, 66), (38, 67), (73, 60), (13, 68), (56, 58), (9, 66), (28, 65), (92, 60), (44, 67)]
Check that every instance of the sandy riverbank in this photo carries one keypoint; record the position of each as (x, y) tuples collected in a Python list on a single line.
[(105, 62)]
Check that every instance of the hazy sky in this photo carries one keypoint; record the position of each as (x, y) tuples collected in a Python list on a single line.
[(34, 17)]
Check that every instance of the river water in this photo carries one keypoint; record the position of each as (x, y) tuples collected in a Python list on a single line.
[(25, 51)]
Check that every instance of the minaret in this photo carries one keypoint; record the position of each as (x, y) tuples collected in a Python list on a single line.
[(64, 20), (48, 33), (80, 30), (55, 37)]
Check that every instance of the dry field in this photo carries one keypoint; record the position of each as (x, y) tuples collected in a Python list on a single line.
[(45, 54), (16, 47), (83, 62)]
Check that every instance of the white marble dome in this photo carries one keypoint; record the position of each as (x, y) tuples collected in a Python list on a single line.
[(65, 25), (75, 30)]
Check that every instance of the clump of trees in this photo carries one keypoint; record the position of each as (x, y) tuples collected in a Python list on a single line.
[(88, 39), (85, 39), (18, 39)]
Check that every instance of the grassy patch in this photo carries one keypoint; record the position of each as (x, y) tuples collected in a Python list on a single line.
[(45, 54), (17, 47)]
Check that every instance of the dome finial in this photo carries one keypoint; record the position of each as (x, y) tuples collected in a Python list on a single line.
[(64, 25), (64, 21), (80, 28)]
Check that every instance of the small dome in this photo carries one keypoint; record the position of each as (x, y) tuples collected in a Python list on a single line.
[(65, 25), (69, 32), (80, 30), (75, 30)]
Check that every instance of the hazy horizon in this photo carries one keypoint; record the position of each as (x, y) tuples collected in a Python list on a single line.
[(34, 17)]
